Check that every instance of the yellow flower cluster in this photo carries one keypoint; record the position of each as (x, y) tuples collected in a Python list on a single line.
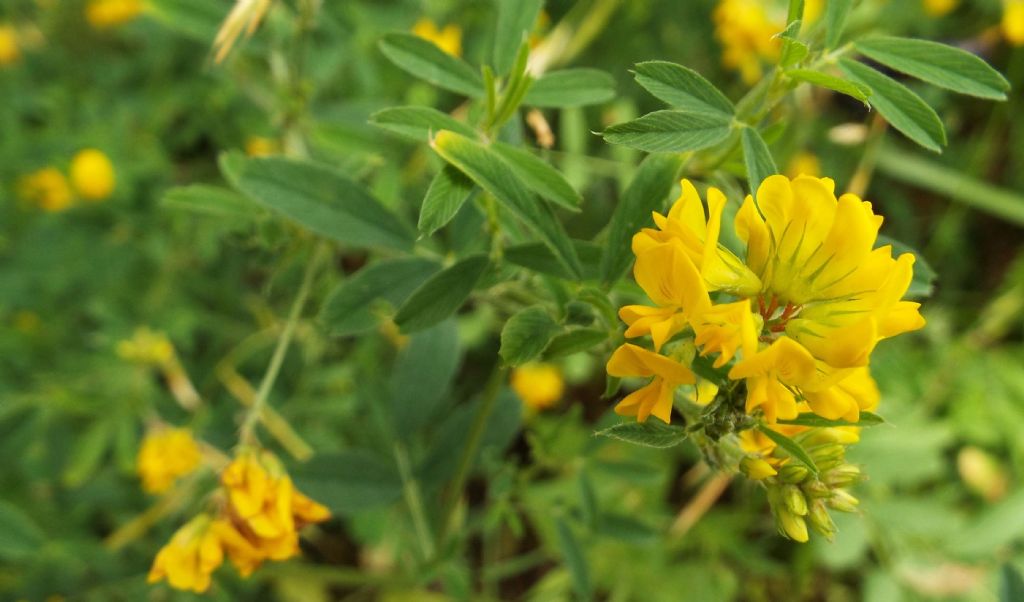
[(448, 38), (102, 14), (539, 385), (10, 52), (166, 455), (260, 516), (1013, 22), (745, 30), (798, 316), (92, 179), (146, 347)]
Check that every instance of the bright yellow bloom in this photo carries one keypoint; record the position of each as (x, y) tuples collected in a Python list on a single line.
[(539, 385), (803, 164), (846, 399), (146, 347), (448, 38), (258, 146), (192, 555), (166, 455), (10, 52), (111, 13), (813, 10), (92, 175), (745, 30), (656, 397), (938, 8), (1013, 22), (47, 188)]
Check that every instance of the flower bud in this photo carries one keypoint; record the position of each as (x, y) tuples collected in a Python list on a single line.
[(820, 520), (793, 473), (827, 453), (791, 525), (816, 489), (842, 501), (843, 476), (981, 473), (794, 500), (755, 468)]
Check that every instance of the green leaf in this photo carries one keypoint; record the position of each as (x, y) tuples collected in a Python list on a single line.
[(574, 559), (447, 192), (425, 60), (758, 159), (923, 282), (89, 450), (539, 258), (539, 176), (349, 482), (575, 341), (495, 176), (945, 180), (210, 200), (671, 131), (900, 107), (349, 308), (938, 64), (441, 295), (791, 447), (571, 88), (793, 51), (682, 87), (20, 536), (526, 334), (516, 19), (809, 419), (647, 192), (835, 20), (1011, 584), (197, 20), (418, 123), (323, 201), (653, 433), (858, 91), (422, 376)]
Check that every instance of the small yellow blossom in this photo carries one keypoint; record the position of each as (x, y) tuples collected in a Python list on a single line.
[(448, 38), (938, 8), (1013, 22), (146, 347), (111, 13), (539, 385), (46, 188), (259, 146), (745, 30), (982, 473), (656, 397), (166, 455), (92, 175), (757, 468), (803, 164), (192, 555), (10, 52)]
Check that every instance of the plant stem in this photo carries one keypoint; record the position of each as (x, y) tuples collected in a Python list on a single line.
[(414, 499), (256, 411), (476, 435)]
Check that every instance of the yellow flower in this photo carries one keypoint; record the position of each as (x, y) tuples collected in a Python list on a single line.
[(166, 455), (146, 347), (9, 49), (539, 385), (111, 13), (938, 8), (656, 397), (1013, 22), (847, 398), (92, 175), (258, 146), (803, 164), (813, 10), (191, 556), (745, 30), (47, 188), (448, 39)]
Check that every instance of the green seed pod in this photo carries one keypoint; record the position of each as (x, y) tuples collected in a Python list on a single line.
[(793, 473), (794, 500)]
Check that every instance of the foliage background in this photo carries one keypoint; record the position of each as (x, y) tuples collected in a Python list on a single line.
[(577, 513)]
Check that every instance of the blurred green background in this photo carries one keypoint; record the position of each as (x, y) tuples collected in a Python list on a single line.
[(943, 510)]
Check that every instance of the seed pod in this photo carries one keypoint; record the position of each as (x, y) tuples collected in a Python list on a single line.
[(794, 500), (820, 520), (842, 501), (793, 473)]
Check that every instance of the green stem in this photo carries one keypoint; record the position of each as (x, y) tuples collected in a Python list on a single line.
[(414, 499), (256, 411), (469, 452)]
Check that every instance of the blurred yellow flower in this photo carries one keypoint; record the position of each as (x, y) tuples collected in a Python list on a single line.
[(192, 555), (9, 50), (259, 146), (448, 38), (1013, 22), (540, 386), (146, 347), (813, 10), (111, 13), (938, 8), (745, 30), (92, 175), (46, 188), (803, 164), (166, 455)]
